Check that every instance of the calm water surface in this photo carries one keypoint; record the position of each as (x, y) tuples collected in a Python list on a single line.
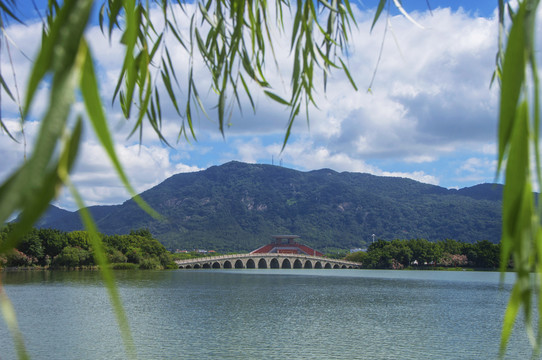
[(264, 314)]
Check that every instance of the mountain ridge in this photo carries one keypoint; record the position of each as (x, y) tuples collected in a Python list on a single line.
[(238, 206)]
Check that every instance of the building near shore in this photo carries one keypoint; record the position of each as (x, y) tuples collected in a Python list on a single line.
[(285, 244)]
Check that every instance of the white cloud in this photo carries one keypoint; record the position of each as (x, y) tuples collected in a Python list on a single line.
[(430, 100), (99, 183), (477, 169), (417, 175)]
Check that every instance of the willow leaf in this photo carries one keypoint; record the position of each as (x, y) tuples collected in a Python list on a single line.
[(129, 68), (171, 67), (93, 105), (513, 75), (518, 211), (11, 14), (114, 9), (106, 272), (221, 109), (517, 177), (345, 68), (167, 83), (16, 192), (247, 91), (378, 12), (36, 204), (6, 130), (60, 45), (176, 34), (6, 88), (276, 98), (293, 115), (510, 315), (351, 13), (155, 46)]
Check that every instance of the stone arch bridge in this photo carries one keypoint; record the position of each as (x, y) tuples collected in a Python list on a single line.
[(266, 261)]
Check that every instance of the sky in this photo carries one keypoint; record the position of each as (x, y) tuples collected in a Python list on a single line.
[(431, 114)]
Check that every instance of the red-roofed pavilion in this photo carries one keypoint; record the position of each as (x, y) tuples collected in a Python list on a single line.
[(285, 244)]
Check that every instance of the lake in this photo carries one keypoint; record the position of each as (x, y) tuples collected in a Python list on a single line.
[(264, 314)]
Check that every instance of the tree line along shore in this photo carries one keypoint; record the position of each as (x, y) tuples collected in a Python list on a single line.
[(55, 249), (421, 253)]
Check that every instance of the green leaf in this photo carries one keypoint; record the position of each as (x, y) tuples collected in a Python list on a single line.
[(114, 9), (106, 272), (247, 91), (6, 88), (25, 183), (276, 98), (378, 12), (221, 109), (60, 46), (510, 315), (93, 105), (129, 67), (513, 75), (7, 10), (351, 13), (44, 192), (345, 68), (167, 83), (4, 128)]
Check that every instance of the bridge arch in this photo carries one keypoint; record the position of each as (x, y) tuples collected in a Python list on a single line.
[(318, 265), (298, 264), (274, 264), (327, 266), (216, 265), (250, 264), (286, 264), (308, 265), (206, 266), (262, 264), (336, 266), (239, 264), (227, 264)]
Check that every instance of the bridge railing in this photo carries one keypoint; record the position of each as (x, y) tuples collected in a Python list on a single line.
[(275, 255)]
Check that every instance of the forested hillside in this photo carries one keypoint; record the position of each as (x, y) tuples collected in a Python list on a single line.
[(238, 206)]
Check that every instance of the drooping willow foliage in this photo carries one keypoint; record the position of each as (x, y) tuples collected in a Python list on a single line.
[(519, 131), (233, 39)]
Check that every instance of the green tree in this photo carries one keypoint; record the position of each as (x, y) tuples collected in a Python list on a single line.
[(53, 241), (402, 252), (358, 256), (73, 257), (486, 254), (116, 256), (79, 239), (425, 251), (450, 246), (32, 245)]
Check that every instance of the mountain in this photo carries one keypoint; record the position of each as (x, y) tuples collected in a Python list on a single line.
[(238, 206)]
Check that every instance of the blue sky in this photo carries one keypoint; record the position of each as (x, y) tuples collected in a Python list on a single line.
[(431, 115)]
